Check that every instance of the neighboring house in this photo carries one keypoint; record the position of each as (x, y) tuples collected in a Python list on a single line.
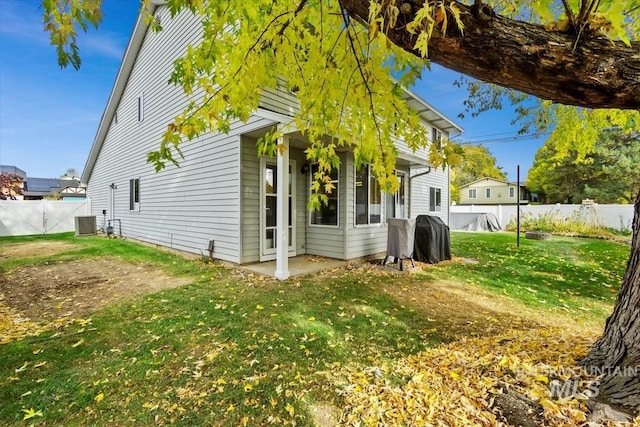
[(11, 182), (224, 197), (53, 188), (491, 191), (65, 188)]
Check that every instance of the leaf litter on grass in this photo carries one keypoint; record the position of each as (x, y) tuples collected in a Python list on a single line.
[(453, 384), (457, 383)]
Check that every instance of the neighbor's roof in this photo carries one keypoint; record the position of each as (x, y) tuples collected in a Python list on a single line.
[(47, 186), (41, 186), (13, 170), (426, 111), (486, 178)]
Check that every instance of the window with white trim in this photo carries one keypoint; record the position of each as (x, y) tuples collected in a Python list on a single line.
[(396, 203), (368, 197), (134, 194), (436, 138), (487, 193), (512, 192), (473, 193), (327, 214), (435, 199)]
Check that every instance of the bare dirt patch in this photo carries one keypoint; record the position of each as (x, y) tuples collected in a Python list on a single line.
[(74, 288), (32, 249)]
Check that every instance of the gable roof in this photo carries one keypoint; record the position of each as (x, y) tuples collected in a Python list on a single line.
[(426, 111), (486, 178)]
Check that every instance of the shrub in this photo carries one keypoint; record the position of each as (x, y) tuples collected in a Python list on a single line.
[(582, 222)]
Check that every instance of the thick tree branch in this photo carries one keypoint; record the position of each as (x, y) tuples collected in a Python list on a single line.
[(595, 73)]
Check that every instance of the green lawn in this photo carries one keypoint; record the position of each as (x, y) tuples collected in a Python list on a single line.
[(570, 273), (233, 349)]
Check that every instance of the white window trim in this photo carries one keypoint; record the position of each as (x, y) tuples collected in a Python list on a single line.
[(512, 190), (337, 206), (438, 208), (133, 205), (394, 195), (475, 193), (487, 193), (264, 160), (382, 210), (436, 137)]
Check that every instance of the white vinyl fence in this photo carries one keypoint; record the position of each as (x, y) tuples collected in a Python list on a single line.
[(25, 217), (619, 217)]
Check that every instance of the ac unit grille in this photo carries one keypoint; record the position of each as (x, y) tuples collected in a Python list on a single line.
[(85, 225)]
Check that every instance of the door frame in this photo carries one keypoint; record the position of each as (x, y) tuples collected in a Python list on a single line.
[(270, 254)]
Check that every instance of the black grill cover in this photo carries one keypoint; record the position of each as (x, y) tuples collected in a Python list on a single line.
[(432, 242)]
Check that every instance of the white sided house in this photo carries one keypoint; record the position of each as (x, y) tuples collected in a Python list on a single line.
[(224, 196), (491, 191)]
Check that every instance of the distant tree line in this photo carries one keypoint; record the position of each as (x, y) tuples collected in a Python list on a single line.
[(609, 174)]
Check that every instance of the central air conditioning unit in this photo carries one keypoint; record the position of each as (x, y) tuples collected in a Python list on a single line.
[(85, 225)]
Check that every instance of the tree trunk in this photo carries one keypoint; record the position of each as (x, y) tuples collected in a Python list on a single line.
[(592, 72), (617, 352)]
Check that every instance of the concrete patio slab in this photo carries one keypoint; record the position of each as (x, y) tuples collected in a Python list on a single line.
[(301, 265)]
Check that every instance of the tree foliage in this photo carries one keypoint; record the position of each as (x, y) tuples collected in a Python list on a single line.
[(337, 60), (10, 185), (340, 72), (608, 174), (477, 162), (63, 19)]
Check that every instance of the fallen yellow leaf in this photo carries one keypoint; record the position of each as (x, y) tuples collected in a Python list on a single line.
[(290, 409), (30, 413)]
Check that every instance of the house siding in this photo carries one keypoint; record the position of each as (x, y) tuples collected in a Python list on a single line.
[(215, 193), (419, 190), (181, 208), (280, 100)]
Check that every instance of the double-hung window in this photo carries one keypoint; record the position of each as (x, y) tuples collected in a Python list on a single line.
[(436, 138), (368, 197), (435, 199), (396, 203), (327, 214), (473, 193)]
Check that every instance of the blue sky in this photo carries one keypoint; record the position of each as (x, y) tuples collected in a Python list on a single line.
[(49, 116)]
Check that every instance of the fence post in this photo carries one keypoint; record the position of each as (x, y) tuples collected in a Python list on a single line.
[(44, 217)]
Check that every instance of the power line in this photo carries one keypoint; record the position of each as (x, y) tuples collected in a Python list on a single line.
[(506, 140)]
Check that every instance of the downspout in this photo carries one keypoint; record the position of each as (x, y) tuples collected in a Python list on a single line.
[(449, 193), (411, 185)]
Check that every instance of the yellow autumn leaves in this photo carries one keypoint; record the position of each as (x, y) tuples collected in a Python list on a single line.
[(14, 325), (456, 384)]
